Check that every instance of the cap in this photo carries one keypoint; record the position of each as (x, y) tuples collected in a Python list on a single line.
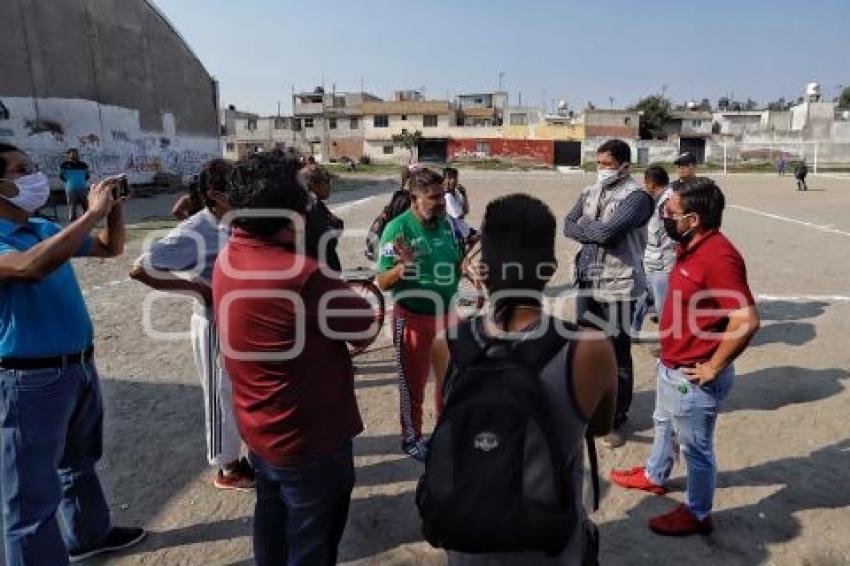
[(686, 158)]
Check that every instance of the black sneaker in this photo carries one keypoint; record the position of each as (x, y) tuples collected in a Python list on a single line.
[(118, 538)]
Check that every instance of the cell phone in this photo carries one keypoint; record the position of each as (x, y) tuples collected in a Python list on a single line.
[(121, 188)]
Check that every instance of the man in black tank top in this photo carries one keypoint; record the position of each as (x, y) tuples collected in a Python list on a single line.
[(519, 231)]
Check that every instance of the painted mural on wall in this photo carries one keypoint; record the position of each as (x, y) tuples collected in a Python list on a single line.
[(108, 138)]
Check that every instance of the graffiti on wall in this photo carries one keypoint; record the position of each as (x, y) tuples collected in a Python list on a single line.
[(110, 140), (36, 127)]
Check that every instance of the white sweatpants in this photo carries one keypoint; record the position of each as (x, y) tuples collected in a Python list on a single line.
[(223, 441)]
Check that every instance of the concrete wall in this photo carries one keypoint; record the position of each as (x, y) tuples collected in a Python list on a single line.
[(821, 116), (110, 77), (414, 122), (658, 151), (375, 150)]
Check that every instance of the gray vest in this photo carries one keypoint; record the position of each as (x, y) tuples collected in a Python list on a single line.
[(660, 252), (619, 267)]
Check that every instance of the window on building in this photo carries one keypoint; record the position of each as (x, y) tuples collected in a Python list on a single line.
[(231, 147), (429, 120), (404, 131), (251, 125), (332, 123), (355, 124), (296, 124), (381, 121), (519, 119), (483, 148), (404, 117), (628, 121), (389, 150), (308, 122), (696, 123), (479, 101), (280, 123)]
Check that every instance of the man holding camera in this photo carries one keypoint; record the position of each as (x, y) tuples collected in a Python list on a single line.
[(51, 411)]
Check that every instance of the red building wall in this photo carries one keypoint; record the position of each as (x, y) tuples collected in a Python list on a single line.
[(540, 151)]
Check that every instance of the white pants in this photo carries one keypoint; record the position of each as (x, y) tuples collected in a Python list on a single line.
[(223, 441)]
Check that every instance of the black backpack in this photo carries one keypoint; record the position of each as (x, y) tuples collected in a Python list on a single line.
[(495, 478), (399, 202)]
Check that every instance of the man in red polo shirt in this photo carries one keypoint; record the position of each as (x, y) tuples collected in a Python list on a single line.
[(707, 321), (283, 325)]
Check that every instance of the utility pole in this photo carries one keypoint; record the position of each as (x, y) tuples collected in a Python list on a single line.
[(501, 77), (611, 100)]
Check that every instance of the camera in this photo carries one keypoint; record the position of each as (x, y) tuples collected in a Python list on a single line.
[(121, 188)]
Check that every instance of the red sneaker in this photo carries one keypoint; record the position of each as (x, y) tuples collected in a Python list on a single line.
[(636, 479), (680, 522), (240, 477)]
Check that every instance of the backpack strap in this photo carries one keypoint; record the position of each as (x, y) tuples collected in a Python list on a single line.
[(464, 349), (593, 460)]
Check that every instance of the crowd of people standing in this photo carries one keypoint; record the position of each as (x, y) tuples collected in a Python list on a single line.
[(270, 336)]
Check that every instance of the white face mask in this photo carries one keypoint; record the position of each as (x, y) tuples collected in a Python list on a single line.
[(33, 191), (607, 177)]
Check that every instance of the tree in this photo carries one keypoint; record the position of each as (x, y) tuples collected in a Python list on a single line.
[(655, 114), (408, 141), (844, 98)]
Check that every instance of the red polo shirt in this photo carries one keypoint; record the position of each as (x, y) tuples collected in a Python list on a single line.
[(287, 410), (708, 281)]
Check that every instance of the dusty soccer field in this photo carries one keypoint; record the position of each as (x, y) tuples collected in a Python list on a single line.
[(783, 440)]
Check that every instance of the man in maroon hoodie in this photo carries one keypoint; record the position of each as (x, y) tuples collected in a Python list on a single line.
[(283, 325)]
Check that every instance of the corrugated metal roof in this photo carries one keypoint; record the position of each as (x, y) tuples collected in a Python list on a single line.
[(478, 112), (407, 107), (691, 115)]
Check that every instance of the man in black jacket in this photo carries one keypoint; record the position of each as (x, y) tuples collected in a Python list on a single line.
[(800, 173), (323, 228)]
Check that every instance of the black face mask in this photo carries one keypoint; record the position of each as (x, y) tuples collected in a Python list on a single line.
[(670, 228)]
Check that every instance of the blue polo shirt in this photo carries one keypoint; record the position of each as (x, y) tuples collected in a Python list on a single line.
[(43, 319)]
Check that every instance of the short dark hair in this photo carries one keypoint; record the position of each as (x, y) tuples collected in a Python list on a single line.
[(263, 182), (517, 247), (657, 174), (6, 148), (450, 173), (214, 175), (702, 196), (316, 176), (619, 150), (421, 179)]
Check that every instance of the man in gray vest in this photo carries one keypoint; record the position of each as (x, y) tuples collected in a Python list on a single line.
[(608, 220)]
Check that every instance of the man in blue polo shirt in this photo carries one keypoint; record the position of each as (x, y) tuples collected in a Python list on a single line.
[(51, 412)]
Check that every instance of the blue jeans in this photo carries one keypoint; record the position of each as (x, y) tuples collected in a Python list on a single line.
[(302, 509), (685, 415), (656, 291), (51, 437)]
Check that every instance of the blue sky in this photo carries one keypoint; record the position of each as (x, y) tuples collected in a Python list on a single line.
[(548, 49)]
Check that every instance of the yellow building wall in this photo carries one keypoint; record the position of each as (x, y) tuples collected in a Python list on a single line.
[(545, 132)]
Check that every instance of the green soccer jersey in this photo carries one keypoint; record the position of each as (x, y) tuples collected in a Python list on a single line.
[(436, 269)]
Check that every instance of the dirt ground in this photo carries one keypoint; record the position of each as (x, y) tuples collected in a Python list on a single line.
[(783, 446)]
